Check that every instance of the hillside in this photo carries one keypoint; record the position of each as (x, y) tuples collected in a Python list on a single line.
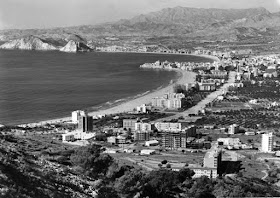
[(41, 166), (73, 46), (255, 25), (28, 43)]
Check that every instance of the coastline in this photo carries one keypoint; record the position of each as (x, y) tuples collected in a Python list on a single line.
[(128, 104), (213, 58)]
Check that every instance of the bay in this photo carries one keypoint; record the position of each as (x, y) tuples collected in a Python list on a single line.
[(37, 85)]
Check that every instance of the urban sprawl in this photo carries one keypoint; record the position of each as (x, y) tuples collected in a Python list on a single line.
[(228, 113)]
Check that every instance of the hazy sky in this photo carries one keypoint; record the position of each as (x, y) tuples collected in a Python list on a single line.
[(55, 13)]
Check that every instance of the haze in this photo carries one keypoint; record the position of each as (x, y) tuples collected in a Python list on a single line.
[(23, 14)]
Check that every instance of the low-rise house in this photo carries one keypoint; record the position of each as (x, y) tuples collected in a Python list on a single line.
[(116, 140), (229, 141), (68, 137), (207, 86), (147, 152), (152, 143)]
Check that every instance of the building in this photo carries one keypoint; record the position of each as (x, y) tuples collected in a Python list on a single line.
[(169, 101), (229, 141), (142, 108), (141, 135), (177, 139), (202, 171), (85, 123), (116, 140), (68, 137), (211, 164), (267, 142), (175, 103), (219, 74), (129, 124), (212, 159), (168, 126), (233, 129), (207, 86), (151, 143), (142, 126), (147, 152), (76, 115), (77, 135)]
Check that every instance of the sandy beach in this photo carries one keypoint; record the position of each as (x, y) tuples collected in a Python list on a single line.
[(185, 77), (129, 105)]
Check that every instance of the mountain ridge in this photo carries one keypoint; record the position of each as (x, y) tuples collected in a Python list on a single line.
[(202, 23)]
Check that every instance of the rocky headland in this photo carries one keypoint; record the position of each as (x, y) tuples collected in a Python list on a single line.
[(28, 43), (73, 46)]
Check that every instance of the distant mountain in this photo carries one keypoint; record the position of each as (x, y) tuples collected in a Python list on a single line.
[(73, 46), (192, 23), (195, 22), (28, 43)]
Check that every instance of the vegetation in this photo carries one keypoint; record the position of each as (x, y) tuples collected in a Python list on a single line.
[(91, 172)]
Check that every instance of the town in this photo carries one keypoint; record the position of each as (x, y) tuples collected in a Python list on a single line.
[(226, 122)]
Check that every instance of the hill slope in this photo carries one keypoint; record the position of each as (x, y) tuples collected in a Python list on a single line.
[(212, 24), (28, 43), (73, 46)]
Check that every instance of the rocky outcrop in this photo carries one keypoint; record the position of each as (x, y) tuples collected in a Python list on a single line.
[(73, 46), (28, 43)]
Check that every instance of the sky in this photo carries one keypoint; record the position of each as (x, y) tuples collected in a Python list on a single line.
[(22, 14)]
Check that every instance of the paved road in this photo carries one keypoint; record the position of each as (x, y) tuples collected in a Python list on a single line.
[(201, 105)]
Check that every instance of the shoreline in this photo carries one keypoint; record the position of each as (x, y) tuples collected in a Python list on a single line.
[(128, 104), (211, 57)]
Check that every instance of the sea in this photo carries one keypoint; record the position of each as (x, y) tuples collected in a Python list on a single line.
[(42, 85)]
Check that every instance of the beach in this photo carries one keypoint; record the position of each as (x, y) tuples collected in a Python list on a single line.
[(184, 77), (126, 105)]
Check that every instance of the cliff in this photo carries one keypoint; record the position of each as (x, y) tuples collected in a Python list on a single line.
[(73, 46), (28, 43)]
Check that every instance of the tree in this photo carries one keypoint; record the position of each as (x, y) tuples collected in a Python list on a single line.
[(130, 183), (91, 161), (162, 183), (185, 173), (164, 161)]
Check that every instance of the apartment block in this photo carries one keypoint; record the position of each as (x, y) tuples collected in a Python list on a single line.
[(267, 142), (141, 135), (85, 123)]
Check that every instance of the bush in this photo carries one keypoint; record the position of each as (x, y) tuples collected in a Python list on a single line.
[(164, 162)]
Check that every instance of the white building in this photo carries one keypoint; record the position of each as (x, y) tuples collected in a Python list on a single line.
[(147, 152), (168, 126), (234, 128), (151, 143), (229, 141), (142, 108), (267, 142), (76, 115), (68, 137), (77, 135)]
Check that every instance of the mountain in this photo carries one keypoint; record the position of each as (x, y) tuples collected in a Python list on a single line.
[(28, 43), (73, 46), (194, 22), (181, 22)]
